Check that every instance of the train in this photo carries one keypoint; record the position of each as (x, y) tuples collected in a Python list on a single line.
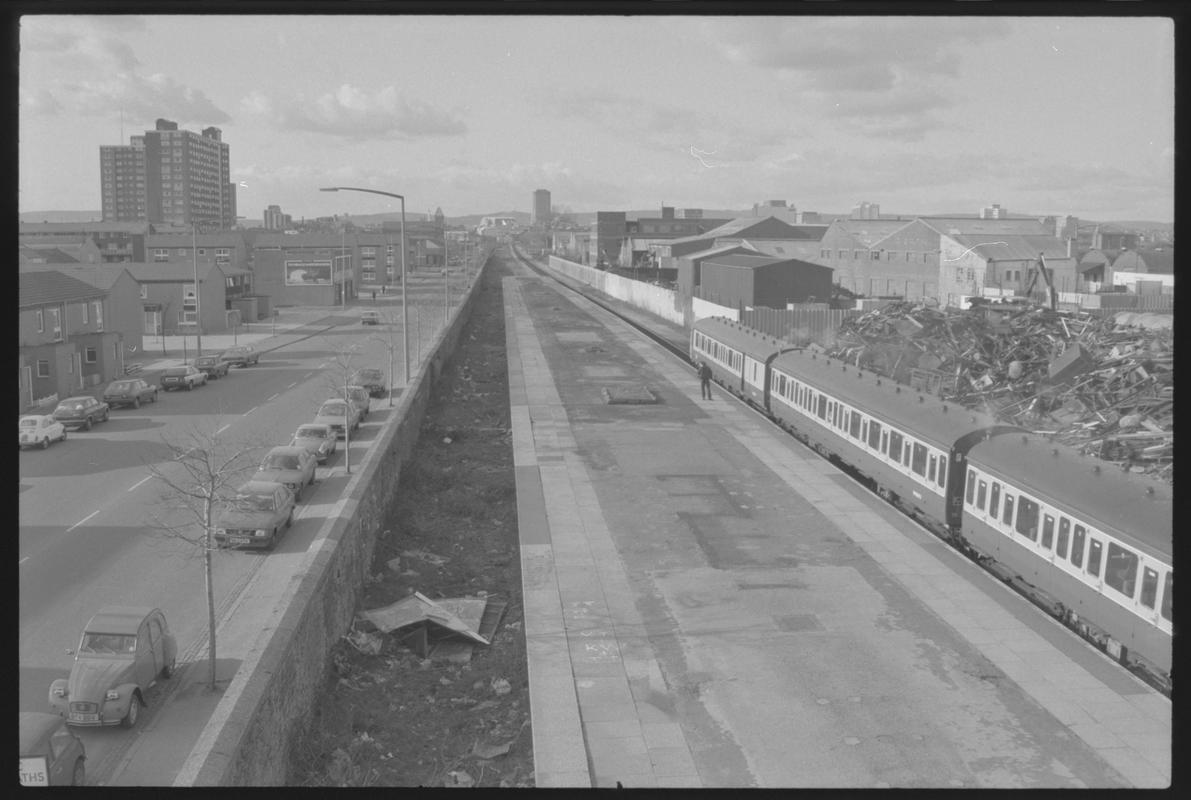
[(1086, 541)]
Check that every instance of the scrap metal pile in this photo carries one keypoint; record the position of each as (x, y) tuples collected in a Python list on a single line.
[(1094, 383)]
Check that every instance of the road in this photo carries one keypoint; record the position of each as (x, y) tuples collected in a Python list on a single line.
[(91, 515)]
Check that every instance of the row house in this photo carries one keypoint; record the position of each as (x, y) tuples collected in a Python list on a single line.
[(170, 304), (122, 312), (59, 250), (227, 249), (64, 344), (116, 242)]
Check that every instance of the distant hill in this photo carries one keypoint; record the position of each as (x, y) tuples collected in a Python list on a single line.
[(61, 216)]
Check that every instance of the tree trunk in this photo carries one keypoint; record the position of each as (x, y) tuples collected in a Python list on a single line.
[(210, 576)]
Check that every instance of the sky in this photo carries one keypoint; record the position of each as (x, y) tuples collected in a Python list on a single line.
[(471, 114)]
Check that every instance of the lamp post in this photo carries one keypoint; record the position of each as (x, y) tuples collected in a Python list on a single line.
[(198, 309), (404, 316)]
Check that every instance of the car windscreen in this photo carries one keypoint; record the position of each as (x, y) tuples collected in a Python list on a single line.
[(121, 386), (311, 433), (280, 462), (72, 406), (108, 643), (253, 502), (175, 372), (332, 410), (29, 423)]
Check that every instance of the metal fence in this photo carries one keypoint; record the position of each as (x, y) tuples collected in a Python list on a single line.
[(802, 324)]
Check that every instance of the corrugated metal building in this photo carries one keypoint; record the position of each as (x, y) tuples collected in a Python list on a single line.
[(752, 280)]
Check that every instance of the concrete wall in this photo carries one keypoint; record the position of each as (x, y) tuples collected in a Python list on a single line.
[(646, 296), (269, 701)]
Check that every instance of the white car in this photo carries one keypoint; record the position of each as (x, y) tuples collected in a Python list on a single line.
[(38, 430)]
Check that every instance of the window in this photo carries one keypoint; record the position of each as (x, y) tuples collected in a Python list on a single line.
[(895, 445), (874, 435), (43, 368), (1121, 570), (86, 313), (1168, 596), (918, 459), (875, 255), (857, 255), (942, 479), (1077, 546), (1094, 548), (40, 317), (161, 254), (824, 253), (56, 322), (1007, 517), (926, 258), (843, 253), (994, 500), (854, 427), (1149, 587), (182, 251), (144, 291), (1064, 530), (1027, 519), (89, 355), (930, 473), (892, 254), (99, 315), (822, 410), (909, 255), (971, 486), (1048, 530)]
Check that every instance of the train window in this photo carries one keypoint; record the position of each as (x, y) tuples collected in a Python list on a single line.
[(1168, 596), (782, 385), (1121, 570), (854, 426), (1064, 530), (874, 434), (895, 445), (994, 500), (980, 495), (906, 454), (1094, 548), (831, 409), (1149, 587), (885, 441), (971, 486), (1048, 530), (1077, 546), (1007, 517), (934, 463), (1027, 519), (822, 411), (918, 460), (942, 479)]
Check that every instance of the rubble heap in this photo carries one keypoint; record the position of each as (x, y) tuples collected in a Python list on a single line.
[(1095, 383)]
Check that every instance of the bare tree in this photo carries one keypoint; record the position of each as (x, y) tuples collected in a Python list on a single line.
[(208, 470), (339, 378), (392, 345)]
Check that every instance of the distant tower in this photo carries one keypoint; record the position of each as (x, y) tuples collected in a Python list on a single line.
[(541, 208), (994, 212), (866, 210)]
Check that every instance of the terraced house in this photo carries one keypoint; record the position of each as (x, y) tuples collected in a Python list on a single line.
[(64, 345)]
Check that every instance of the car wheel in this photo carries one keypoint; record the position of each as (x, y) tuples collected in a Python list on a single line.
[(87, 424), (79, 776), (136, 402), (134, 711), (45, 443), (168, 670), (63, 439), (104, 418), (190, 386)]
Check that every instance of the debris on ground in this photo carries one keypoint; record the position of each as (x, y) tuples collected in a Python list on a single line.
[(1102, 384)]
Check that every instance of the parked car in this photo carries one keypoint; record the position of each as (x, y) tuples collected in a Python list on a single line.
[(339, 414), (81, 412), (129, 392), (38, 430), (319, 440), (370, 318), (51, 753), (358, 395), (293, 467), (371, 379), (214, 366), (243, 355), (256, 516), (183, 377), (122, 653)]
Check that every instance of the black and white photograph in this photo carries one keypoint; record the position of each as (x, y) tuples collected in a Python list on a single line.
[(646, 396)]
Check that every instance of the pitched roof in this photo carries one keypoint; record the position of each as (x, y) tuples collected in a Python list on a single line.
[(720, 250), (168, 271), (179, 239), (38, 288), (332, 240), (746, 260), (45, 255), (101, 276), (867, 232), (84, 227), (974, 225), (1011, 247)]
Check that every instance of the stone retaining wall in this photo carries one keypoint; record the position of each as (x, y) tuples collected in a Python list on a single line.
[(269, 701)]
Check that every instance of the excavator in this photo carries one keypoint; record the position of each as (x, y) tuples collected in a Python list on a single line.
[(1039, 268)]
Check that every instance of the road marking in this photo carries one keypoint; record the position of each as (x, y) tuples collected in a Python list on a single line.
[(81, 521), (272, 397), (224, 428), (292, 385), (138, 483), (23, 560), (249, 411)]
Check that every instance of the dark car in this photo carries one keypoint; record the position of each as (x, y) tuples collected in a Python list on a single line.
[(51, 753), (256, 516), (371, 379), (123, 651), (243, 355), (184, 377), (129, 392), (214, 366), (81, 412)]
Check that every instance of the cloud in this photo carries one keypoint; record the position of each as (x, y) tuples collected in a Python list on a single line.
[(146, 97), (670, 128), (39, 102), (355, 114)]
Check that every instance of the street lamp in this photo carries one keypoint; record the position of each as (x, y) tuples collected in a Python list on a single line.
[(404, 316), (198, 309)]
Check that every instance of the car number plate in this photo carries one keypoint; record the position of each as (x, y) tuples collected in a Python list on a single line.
[(83, 717), (239, 539)]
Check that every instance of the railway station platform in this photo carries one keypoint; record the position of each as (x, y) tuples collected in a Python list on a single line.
[(708, 603)]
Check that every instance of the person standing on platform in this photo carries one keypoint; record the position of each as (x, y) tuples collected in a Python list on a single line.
[(705, 379)]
